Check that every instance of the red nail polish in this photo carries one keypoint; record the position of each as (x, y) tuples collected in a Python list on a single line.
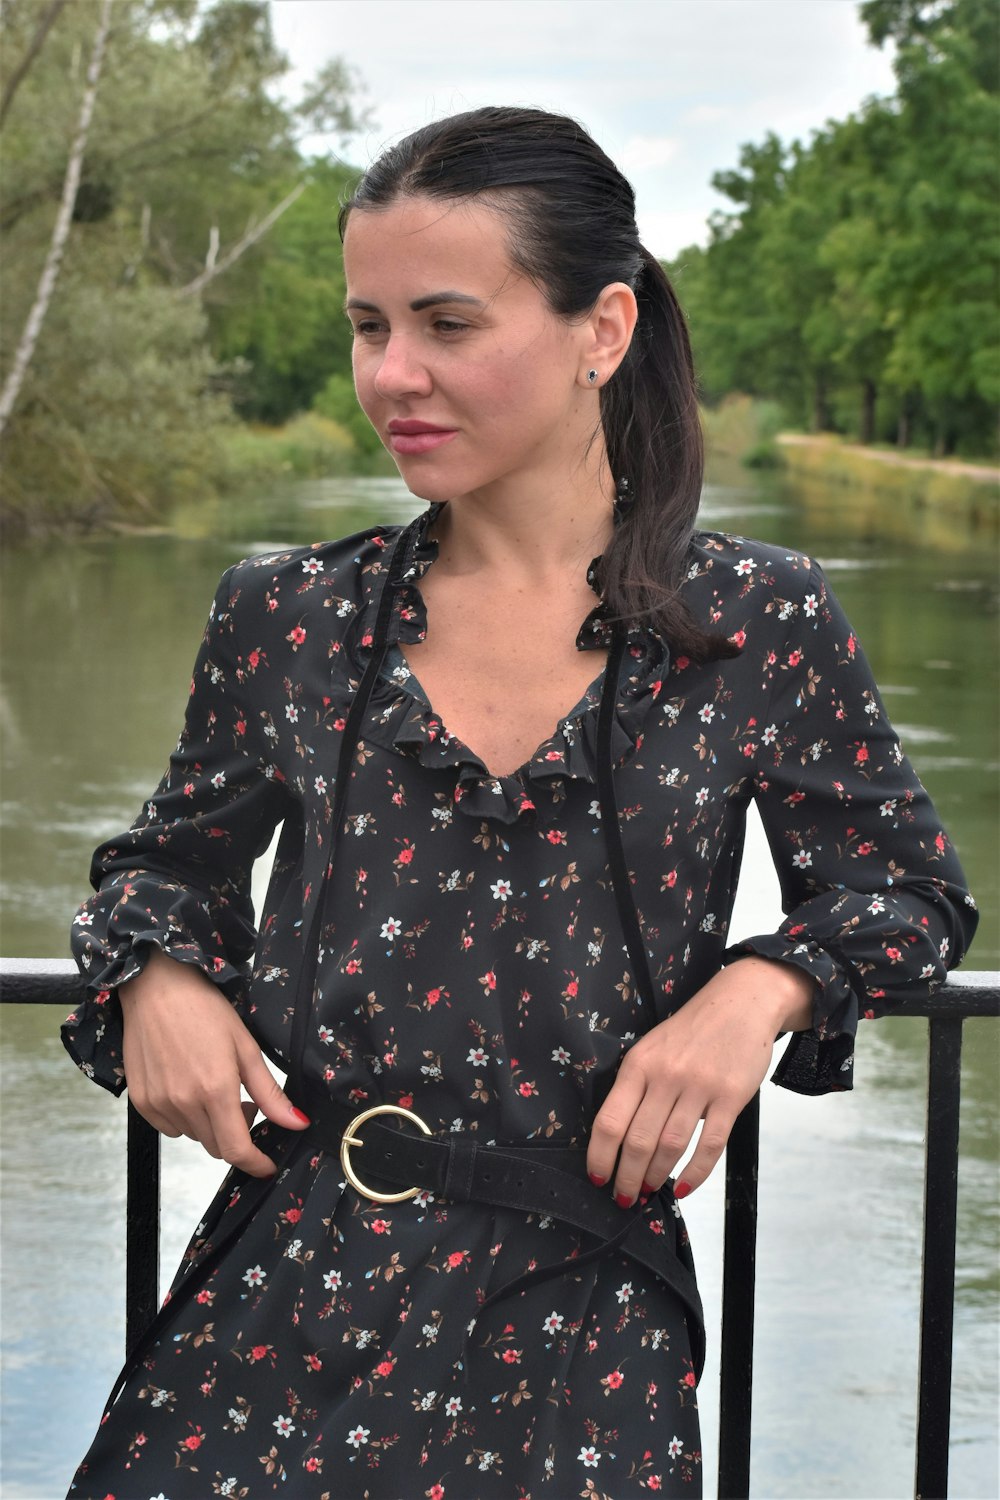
[(597, 1181), (681, 1189), (646, 1191), (623, 1200), (300, 1116)]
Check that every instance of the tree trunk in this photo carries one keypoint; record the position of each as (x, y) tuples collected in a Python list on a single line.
[(60, 234), (903, 426), (821, 415), (868, 393), (19, 74)]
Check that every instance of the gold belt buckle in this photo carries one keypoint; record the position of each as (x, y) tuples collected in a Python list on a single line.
[(349, 1139)]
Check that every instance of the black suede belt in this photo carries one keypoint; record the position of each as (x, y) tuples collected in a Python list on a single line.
[(540, 1179)]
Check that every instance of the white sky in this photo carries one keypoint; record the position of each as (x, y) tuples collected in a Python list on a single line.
[(670, 88)]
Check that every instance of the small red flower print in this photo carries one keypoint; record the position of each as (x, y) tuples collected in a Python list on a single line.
[(292, 1215), (385, 1368), (739, 638), (894, 954), (380, 1226), (296, 636), (489, 979), (254, 659), (526, 1090), (572, 989), (193, 1442), (436, 1492), (860, 755), (259, 1351), (556, 836), (794, 657), (682, 662), (865, 848), (313, 1362), (241, 726), (433, 996), (654, 1482), (404, 857), (512, 1356), (353, 966), (615, 1379), (456, 1258), (313, 1465), (689, 1380), (406, 1100)]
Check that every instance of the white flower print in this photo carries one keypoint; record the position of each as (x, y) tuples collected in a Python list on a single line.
[(624, 1292), (745, 567), (945, 945), (486, 1462), (594, 809), (430, 1331), (293, 1249), (238, 1418), (219, 780), (501, 890), (320, 785), (706, 714), (927, 972), (553, 1322), (770, 734), (85, 919), (364, 1338), (391, 928), (588, 1457), (701, 796), (442, 814), (888, 808), (283, 1426), (675, 1447), (876, 905), (291, 713), (560, 1055), (707, 921), (254, 1276), (809, 604), (325, 1035), (478, 1056), (428, 1401), (332, 1280), (312, 566), (803, 859), (453, 1405), (358, 1435)]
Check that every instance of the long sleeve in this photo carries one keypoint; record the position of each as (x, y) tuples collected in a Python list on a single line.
[(179, 880), (875, 900)]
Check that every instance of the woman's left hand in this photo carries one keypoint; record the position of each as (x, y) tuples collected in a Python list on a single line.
[(705, 1062)]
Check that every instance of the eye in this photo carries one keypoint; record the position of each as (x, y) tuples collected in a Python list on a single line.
[(449, 326), (366, 328)]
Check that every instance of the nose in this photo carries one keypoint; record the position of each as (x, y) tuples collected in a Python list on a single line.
[(401, 372)]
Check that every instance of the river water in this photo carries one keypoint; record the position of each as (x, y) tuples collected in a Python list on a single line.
[(99, 639)]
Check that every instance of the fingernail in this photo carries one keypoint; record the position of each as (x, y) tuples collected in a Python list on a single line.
[(646, 1191), (623, 1200), (597, 1181), (300, 1116), (681, 1189)]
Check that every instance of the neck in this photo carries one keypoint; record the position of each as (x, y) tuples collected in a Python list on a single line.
[(536, 528)]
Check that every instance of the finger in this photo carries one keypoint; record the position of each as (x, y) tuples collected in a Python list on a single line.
[(658, 1134), (265, 1091), (159, 1121), (230, 1130), (711, 1144), (250, 1111), (612, 1121)]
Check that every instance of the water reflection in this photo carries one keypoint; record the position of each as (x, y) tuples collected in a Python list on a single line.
[(100, 637)]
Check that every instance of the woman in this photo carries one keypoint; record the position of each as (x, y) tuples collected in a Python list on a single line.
[(511, 747)]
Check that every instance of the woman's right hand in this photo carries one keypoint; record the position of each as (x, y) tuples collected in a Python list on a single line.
[(186, 1052)]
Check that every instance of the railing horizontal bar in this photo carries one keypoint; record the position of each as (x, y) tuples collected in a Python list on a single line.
[(57, 981)]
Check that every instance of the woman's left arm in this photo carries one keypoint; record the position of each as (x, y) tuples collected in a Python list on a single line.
[(876, 908)]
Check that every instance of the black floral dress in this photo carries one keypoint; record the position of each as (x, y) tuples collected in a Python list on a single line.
[(472, 968)]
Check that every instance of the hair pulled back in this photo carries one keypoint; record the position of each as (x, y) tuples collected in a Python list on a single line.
[(570, 216)]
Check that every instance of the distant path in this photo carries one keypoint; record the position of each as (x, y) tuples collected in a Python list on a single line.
[(984, 472)]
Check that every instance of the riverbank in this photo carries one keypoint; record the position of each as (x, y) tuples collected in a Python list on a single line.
[(938, 495)]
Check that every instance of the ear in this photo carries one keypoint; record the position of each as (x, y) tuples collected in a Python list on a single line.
[(608, 332)]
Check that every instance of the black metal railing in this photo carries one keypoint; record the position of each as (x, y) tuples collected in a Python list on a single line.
[(54, 982)]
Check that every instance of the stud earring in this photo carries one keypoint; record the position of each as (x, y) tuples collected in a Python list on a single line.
[(592, 376)]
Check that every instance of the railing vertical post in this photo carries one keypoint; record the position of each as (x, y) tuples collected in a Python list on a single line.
[(142, 1212), (937, 1293), (738, 1278)]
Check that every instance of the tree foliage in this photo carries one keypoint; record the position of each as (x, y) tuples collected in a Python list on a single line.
[(855, 279), (190, 148)]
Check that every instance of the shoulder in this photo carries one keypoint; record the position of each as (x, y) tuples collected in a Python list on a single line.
[(335, 577), (723, 555)]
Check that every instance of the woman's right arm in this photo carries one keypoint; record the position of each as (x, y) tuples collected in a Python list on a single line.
[(166, 940)]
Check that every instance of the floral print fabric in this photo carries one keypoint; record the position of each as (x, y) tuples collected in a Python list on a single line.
[(472, 968)]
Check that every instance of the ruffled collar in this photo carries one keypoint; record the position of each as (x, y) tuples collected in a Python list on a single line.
[(401, 718)]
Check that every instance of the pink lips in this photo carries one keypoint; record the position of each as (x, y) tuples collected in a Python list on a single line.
[(410, 437)]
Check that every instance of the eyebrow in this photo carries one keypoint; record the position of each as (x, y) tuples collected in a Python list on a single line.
[(434, 299)]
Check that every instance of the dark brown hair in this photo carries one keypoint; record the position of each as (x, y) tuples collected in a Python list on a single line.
[(571, 225)]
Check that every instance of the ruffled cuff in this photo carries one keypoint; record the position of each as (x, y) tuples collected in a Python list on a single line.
[(92, 1034), (821, 1060)]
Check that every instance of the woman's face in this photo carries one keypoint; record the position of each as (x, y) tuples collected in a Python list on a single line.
[(468, 377)]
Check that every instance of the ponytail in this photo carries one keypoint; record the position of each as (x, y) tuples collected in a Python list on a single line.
[(652, 429)]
